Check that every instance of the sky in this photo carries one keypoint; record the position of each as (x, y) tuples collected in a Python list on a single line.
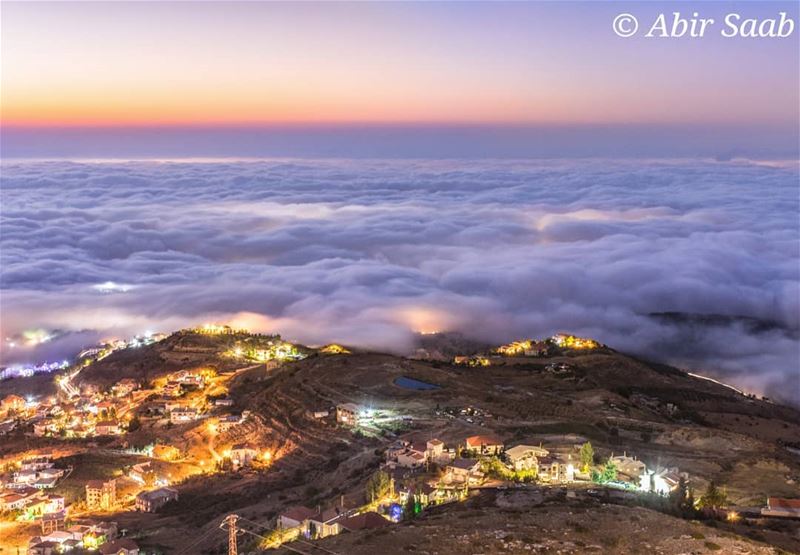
[(358, 172), (326, 79)]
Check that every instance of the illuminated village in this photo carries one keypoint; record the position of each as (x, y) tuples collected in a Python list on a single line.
[(92, 459)]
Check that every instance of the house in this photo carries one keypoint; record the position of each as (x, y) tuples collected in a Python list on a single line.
[(347, 414), (120, 546), (175, 404), (324, 523), (53, 522), (777, 506), (555, 469), (106, 428), (25, 476), (187, 377), (36, 463), (411, 458), (45, 481), (184, 414), (17, 500), (396, 448), (43, 505), (662, 480), (44, 548), (536, 348), (466, 471), (525, 457), (294, 516), (225, 423), (92, 532), (243, 454), (139, 472), (434, 448), (172, 389), (101, 495), (12, 403), (318, 413), (369, 520), (629, 466), (151, 501), (484, 445), (125, 387)]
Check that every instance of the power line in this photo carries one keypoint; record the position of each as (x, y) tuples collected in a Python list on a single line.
[(197, 541), (232, 529)]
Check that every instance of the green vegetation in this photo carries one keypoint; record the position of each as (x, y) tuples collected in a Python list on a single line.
[(681, 500), (494, 468), (713, 498), (413, 507), (607, 474), (379, 486), (587, 456)]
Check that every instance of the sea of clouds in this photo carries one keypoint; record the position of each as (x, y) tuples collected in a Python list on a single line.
[(366, 252)]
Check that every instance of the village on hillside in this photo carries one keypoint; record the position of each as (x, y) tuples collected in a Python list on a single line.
[(79, 481)]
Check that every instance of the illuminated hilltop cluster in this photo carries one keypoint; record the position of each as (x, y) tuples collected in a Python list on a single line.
[(217, 329), (526, 347), (566, 341), (334, 349), (273, 350), (532, 347)]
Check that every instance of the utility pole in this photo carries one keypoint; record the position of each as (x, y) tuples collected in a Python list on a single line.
[(231, 521)]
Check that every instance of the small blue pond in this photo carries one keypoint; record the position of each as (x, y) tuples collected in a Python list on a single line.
[(411, 383)]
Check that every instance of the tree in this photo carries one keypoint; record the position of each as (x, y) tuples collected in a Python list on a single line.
[(609, 473), (378, 486), (681, 499), (713, 498), (150, 479), (410, 510), (134, 424), (587, 456)]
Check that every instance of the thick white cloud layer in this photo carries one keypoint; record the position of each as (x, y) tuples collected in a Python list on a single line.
[(366, 251)]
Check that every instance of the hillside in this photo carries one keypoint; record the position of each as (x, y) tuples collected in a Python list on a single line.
[(618, 403)]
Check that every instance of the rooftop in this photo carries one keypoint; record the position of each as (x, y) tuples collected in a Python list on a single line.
[(364, 521), (464, 464), (477, 441), (298, 513)]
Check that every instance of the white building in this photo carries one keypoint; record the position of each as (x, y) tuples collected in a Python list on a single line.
[(184, 414), (347, 414), (525, 457)]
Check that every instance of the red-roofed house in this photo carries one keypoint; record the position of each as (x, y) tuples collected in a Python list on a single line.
[(484, 445), (778, 506)]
